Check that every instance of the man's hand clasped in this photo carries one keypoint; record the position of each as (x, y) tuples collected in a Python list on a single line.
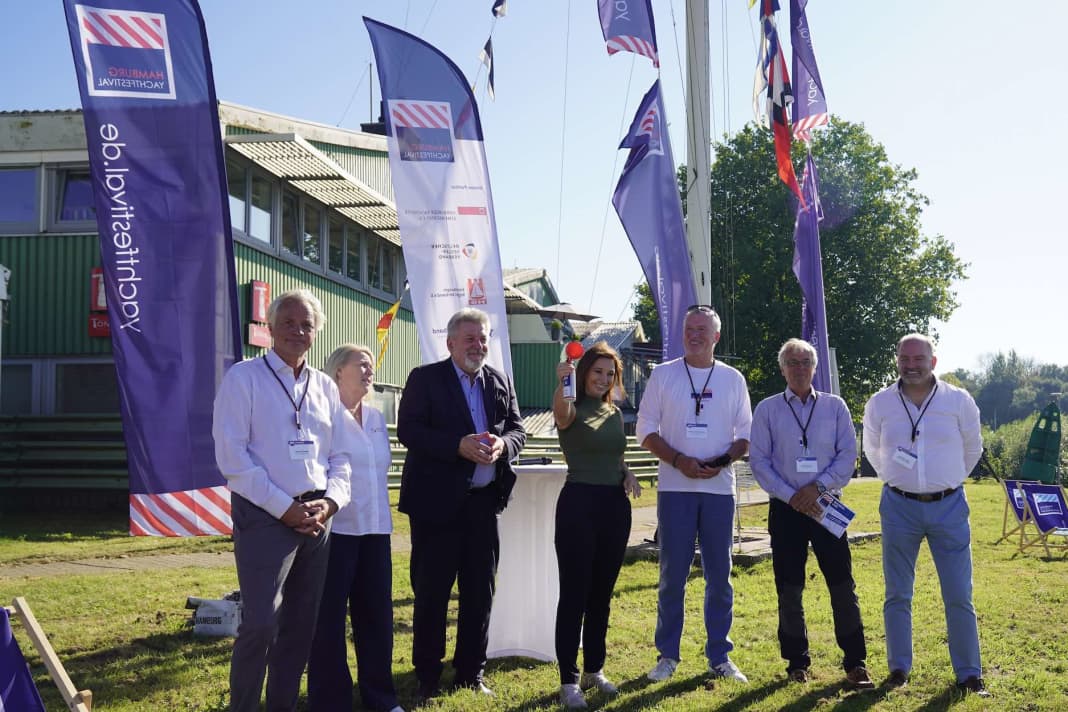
[(309, 518), (481, 448)]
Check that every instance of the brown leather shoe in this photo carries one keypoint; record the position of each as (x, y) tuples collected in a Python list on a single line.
[(797, 675), (898, 678), (859, 679), (975, 686)]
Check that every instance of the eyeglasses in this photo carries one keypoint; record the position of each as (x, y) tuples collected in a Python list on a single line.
[(703, 308), (796, 363)]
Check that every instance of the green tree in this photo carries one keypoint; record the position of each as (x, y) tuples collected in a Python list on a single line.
[(645, 312), (882, 277)]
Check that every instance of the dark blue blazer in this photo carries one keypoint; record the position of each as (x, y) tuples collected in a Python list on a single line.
[(432, 419)]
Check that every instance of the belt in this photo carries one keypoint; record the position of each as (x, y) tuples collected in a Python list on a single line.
[(923, 496), (310, 495)]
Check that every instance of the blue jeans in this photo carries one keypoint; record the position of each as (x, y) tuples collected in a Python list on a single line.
[(905, 523), (707, 519)]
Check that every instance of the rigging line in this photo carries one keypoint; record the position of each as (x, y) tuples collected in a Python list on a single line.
[(611, 179), (426, 22), (626, 304), (354, 91), (563, 135), (679, 62)]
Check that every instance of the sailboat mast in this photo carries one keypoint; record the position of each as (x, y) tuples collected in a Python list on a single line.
[(698, 151)]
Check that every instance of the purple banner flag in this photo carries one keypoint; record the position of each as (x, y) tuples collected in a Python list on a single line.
[(647, 201), (808, 268), (17, 691), (627, 26), (810, 104), (159, 182)]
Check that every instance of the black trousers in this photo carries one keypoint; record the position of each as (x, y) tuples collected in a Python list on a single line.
[(592, 528), (359, 578), (791, 532), (464, 550)]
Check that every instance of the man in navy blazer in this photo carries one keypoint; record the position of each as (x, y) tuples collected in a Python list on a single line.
[(460, 422)]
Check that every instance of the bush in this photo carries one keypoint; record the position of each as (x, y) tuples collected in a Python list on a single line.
[(1006, 446)]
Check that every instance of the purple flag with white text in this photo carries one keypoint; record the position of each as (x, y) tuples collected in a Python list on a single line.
[(627, 26), (810, 104), (647, 201), (159, 182), (17, 691), (808, 268)]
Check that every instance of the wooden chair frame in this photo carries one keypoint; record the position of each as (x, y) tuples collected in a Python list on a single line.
[(77, 700)]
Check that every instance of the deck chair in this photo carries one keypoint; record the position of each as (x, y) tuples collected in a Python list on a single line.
[(1045, 510), (13, 666), (1014, 502)]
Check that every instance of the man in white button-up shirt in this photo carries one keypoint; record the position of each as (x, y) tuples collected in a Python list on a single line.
[(279, 442), (921, 435)]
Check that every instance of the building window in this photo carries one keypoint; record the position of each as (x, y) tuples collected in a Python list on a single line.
[(237, 190), (290, 234), (74, 199), (353, 263), (86, 388), (18, 209), (313, 234), (16, 398), (381, 266), (335, 258), (260, 208)]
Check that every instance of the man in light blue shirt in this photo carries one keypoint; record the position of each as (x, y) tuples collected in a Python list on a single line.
[(803, 444)]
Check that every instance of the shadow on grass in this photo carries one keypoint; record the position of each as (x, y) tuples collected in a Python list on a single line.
[(138, 669), (91, 526)]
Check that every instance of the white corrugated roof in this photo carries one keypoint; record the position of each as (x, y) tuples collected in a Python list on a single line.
[(293, 159)]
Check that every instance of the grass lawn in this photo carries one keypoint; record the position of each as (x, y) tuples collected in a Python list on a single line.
[(126, 637)]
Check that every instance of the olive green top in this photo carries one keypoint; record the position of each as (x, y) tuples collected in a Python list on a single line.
[(593, 444)]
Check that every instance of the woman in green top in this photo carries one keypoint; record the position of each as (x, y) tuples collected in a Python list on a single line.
[(592, 518)]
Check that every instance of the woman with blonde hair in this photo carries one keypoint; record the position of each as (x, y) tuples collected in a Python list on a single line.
[(360, 573)]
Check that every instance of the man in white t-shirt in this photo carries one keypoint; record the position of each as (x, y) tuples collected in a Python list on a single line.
[(695, 416)]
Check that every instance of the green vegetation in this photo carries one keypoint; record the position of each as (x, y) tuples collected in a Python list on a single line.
[(125, 636)]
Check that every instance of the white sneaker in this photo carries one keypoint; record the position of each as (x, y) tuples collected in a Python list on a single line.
[(664, 669), (572, 698), (598, 680), (729, 671)]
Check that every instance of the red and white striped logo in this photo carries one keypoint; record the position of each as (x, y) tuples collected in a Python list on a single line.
[(122, 28), (421, 114), (637, 45), (126, 53), (198, 512)]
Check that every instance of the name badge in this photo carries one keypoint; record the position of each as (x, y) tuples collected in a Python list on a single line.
[(905, 458), (806, 464), (696, 431), (301, 449)]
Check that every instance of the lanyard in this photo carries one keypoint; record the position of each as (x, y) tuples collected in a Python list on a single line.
[(698, 396), (916, 423), (296, 406), (804, 428)]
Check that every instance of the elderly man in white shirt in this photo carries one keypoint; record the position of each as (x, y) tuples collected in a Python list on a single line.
[(280, 443), (922, 436)]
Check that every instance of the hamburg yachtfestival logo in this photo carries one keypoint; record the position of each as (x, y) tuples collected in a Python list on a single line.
[(423, 129), (126, 52)]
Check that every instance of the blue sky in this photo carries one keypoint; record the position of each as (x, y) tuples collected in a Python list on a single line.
[(968, 93)]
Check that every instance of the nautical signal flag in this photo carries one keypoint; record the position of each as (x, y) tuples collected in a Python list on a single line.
[(772, 84), (486, 57), (810, 108), (628, 27), (17, 691), (500, 8)]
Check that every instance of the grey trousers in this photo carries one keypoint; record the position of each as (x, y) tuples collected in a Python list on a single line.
[(281, 576)]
